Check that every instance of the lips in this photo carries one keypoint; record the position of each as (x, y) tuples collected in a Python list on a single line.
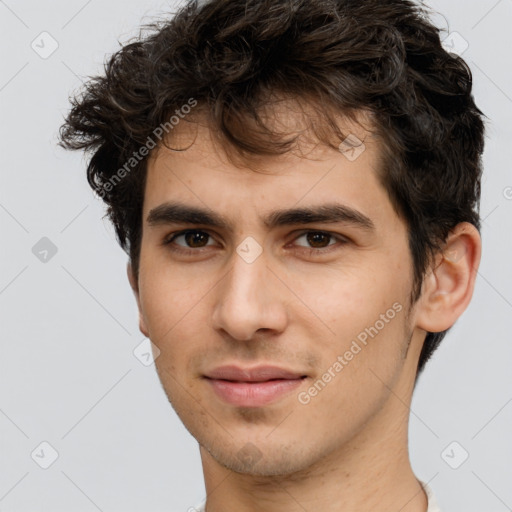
[(258, 374), (253, 387)]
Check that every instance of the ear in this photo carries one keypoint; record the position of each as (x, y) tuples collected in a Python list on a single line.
[(135, 287), (448, 287)]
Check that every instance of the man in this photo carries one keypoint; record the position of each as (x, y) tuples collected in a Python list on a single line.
[(297, 187)]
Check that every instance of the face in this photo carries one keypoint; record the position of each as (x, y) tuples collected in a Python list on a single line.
[(280, 334)]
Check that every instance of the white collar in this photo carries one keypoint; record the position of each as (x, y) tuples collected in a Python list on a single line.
[(432, 502)]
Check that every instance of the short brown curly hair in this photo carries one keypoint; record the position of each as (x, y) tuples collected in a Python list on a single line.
[(345, 56)]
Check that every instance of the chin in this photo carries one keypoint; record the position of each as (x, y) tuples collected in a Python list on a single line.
[(258, 460)]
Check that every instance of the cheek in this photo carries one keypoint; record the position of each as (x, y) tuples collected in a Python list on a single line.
[(358, 316), (343, 301), (167, 298), (363, 355)]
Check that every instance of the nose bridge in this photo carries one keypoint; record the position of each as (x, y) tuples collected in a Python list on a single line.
[(247, 282), (248, 299), (249, 270)]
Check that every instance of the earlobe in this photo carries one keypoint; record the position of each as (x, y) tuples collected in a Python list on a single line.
[(449, 286), (135, 287)]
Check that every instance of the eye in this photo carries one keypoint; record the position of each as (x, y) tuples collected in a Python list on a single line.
[(320, 241), (194, 239)]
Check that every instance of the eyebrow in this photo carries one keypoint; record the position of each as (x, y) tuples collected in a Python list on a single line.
[(179, 213)]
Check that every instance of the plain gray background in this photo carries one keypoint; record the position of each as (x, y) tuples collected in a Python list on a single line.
[(69, 375)]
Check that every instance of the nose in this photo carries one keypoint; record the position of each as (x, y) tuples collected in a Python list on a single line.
[(249, 299)]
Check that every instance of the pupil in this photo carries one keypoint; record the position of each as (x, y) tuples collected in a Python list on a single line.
[(194, 237), (317, 237)]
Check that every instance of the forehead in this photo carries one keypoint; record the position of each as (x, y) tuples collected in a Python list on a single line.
[(209, 174)]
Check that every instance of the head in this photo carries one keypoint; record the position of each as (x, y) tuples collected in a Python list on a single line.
[(245, 107)]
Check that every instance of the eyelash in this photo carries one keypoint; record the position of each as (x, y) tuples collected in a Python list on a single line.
[(168, 241)]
